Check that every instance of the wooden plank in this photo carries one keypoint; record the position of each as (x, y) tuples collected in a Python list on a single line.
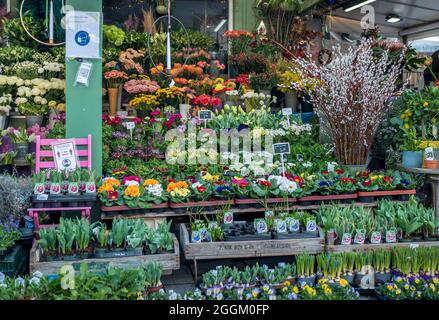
[(172, 213), (388, 246), (169, 261), (247, 249)]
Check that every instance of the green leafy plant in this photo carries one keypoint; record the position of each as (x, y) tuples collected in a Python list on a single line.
[(305, 264)]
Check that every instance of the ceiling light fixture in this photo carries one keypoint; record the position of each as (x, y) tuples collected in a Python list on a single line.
[(393, 18), (357, 4)]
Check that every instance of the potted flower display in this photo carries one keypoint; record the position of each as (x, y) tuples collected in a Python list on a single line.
[(114, 79), (5, 107), (21, 140), (305, 265)]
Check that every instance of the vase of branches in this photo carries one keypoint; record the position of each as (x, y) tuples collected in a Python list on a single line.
[(352, 94)]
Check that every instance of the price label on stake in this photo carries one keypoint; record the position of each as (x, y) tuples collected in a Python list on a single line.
[(281, 149), (130, 126), (205, 115), (287, 112)]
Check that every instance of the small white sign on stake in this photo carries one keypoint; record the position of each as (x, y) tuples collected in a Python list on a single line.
[(130, 126), (287, 112)]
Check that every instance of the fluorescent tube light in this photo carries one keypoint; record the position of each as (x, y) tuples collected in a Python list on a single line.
[(357, 5)]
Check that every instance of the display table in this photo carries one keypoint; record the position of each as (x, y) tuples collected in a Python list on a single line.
[(246, 248), (432, 178)]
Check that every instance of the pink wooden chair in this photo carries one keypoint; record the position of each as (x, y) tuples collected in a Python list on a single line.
[(44, 160)]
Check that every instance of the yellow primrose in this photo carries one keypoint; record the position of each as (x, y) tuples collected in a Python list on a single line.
[(389, 287), (287, 283), (343, 282), (296, 290), (398, 292), (426, 104)]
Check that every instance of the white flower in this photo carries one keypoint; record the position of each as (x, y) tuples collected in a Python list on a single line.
[(2, 277), (40, 70), (37, 274), (19, 282), (43, 101), (38, 99), (34, 280), (11, 81)]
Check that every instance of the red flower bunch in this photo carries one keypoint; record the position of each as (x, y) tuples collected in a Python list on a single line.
[(172, 120), (264, 183), (367, 182), (339, 171), (113, 195), (137, 120), (111, 121), (387, 179), (201, 189), (206, 101), (345, 180), (243, 80)]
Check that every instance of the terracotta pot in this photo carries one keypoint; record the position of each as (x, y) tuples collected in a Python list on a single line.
[(431, 164), (113, 98)]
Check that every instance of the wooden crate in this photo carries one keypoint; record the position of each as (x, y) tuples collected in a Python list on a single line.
[(247, 249), (169, 261), (389, 246)]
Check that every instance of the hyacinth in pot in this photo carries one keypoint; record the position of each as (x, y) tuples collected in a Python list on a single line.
[(351, 94)]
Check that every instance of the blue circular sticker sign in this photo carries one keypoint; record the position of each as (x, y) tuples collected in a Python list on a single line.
[(82, 38)]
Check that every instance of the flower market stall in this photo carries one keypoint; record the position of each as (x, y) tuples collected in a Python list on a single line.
[(149, 147)]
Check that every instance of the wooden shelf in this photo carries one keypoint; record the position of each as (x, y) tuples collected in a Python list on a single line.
[(172, 213)]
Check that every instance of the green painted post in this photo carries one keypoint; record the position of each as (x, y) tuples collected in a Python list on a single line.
[(244, 15), (84, 105)]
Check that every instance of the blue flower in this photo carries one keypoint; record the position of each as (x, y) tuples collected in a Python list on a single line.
[(292, 296), (323, 183), (242, 127), (404, 182), (272, 297), (222, 189)]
